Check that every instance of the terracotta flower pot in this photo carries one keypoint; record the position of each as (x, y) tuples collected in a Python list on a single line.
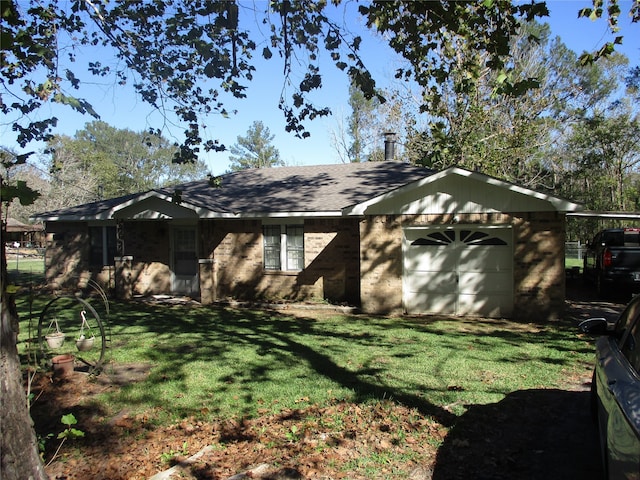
[(63, 365)]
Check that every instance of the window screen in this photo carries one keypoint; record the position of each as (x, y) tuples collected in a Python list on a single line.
[(102, 246), (272, 247), (295, 247)]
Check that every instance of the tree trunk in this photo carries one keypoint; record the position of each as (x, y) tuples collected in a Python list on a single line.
[(18, 444)]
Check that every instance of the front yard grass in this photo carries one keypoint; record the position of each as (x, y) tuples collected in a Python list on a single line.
[(212, 362)]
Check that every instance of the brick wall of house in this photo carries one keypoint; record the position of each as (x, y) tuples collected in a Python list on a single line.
[(539, 271), (236, 249), (346, 260), (331, 250), (539, 288), (381, 264), (67, 258), (147, 245)]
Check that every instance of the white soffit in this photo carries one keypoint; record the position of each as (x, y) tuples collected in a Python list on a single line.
[(461, 191)]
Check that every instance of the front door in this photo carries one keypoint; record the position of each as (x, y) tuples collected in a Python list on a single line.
[(185, 262)]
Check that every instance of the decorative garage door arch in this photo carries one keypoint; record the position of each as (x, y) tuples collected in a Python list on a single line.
[(458, 270)]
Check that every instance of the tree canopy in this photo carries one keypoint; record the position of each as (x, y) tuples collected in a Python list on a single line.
[(119, 161), (255, 150), (192, 58)]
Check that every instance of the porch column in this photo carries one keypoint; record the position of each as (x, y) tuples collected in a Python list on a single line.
[(124, 286), (207, 280)]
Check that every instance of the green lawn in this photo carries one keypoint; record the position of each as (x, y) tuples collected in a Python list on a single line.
[(25, 270), (573, 262), (212, 362)]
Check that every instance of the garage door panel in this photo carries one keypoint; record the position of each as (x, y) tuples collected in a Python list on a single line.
[(465, 270), (493, 305), (431, 282), (436, 303), (480, 259), (425, 258), (486, 283)]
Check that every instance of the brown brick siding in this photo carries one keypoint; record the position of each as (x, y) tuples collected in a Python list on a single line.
[(381, 264), (67, 258), (539, 273), (236, 247), (356, 261), (148, 245)]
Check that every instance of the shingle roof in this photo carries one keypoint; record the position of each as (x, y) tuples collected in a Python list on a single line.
[(315, 188), (312, 189)]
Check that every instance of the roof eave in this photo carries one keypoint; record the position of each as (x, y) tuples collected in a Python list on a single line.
[(253, 215)]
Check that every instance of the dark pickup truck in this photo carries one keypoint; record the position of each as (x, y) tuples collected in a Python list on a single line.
[(612, 260)]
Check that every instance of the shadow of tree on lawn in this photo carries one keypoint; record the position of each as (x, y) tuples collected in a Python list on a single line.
[(530, 434)]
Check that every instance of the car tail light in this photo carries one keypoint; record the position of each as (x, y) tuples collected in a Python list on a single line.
[(606, 258)]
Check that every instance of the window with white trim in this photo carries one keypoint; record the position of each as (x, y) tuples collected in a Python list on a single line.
[(284, 247), (102, 246)]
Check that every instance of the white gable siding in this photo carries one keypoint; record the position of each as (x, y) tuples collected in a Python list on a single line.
[(154, 208), (457, 194)]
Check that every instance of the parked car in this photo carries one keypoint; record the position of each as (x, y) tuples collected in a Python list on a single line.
[(612, 260), (615, 391)]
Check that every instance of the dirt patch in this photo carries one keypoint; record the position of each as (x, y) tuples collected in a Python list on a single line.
[(536, 434), (314, 442)]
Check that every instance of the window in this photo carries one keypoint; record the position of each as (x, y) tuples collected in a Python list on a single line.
[(102, 246), (283, 246), (631, 347), (272, 247), (295, 247)]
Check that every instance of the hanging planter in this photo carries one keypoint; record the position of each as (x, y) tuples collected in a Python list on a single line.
[(55, 338), (86, 339), (83, 343)]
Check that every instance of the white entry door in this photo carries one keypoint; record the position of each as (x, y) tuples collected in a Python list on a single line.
[(461, 270), (185, 262)]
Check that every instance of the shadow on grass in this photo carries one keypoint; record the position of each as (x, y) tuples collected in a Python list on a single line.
[(530, 434), (25, 278), (282, 340), (517, 437)]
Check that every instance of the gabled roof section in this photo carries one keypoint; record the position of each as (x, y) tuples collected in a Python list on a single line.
[(307, 190), (456, 190), (100, 210)]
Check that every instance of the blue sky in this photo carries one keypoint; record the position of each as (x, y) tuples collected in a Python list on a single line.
[(121, 109)]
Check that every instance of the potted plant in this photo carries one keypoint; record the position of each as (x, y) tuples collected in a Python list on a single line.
[(85, 341), (63, 365), (55, 338)]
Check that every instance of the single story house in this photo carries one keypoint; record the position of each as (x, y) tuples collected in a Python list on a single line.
[(23, 234), (388, 237)]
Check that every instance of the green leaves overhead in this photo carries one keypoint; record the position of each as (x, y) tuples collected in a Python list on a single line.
[(194, 57), (431, 35), (613, 13)]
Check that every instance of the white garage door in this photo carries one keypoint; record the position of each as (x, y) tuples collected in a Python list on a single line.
[(462, 270)]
